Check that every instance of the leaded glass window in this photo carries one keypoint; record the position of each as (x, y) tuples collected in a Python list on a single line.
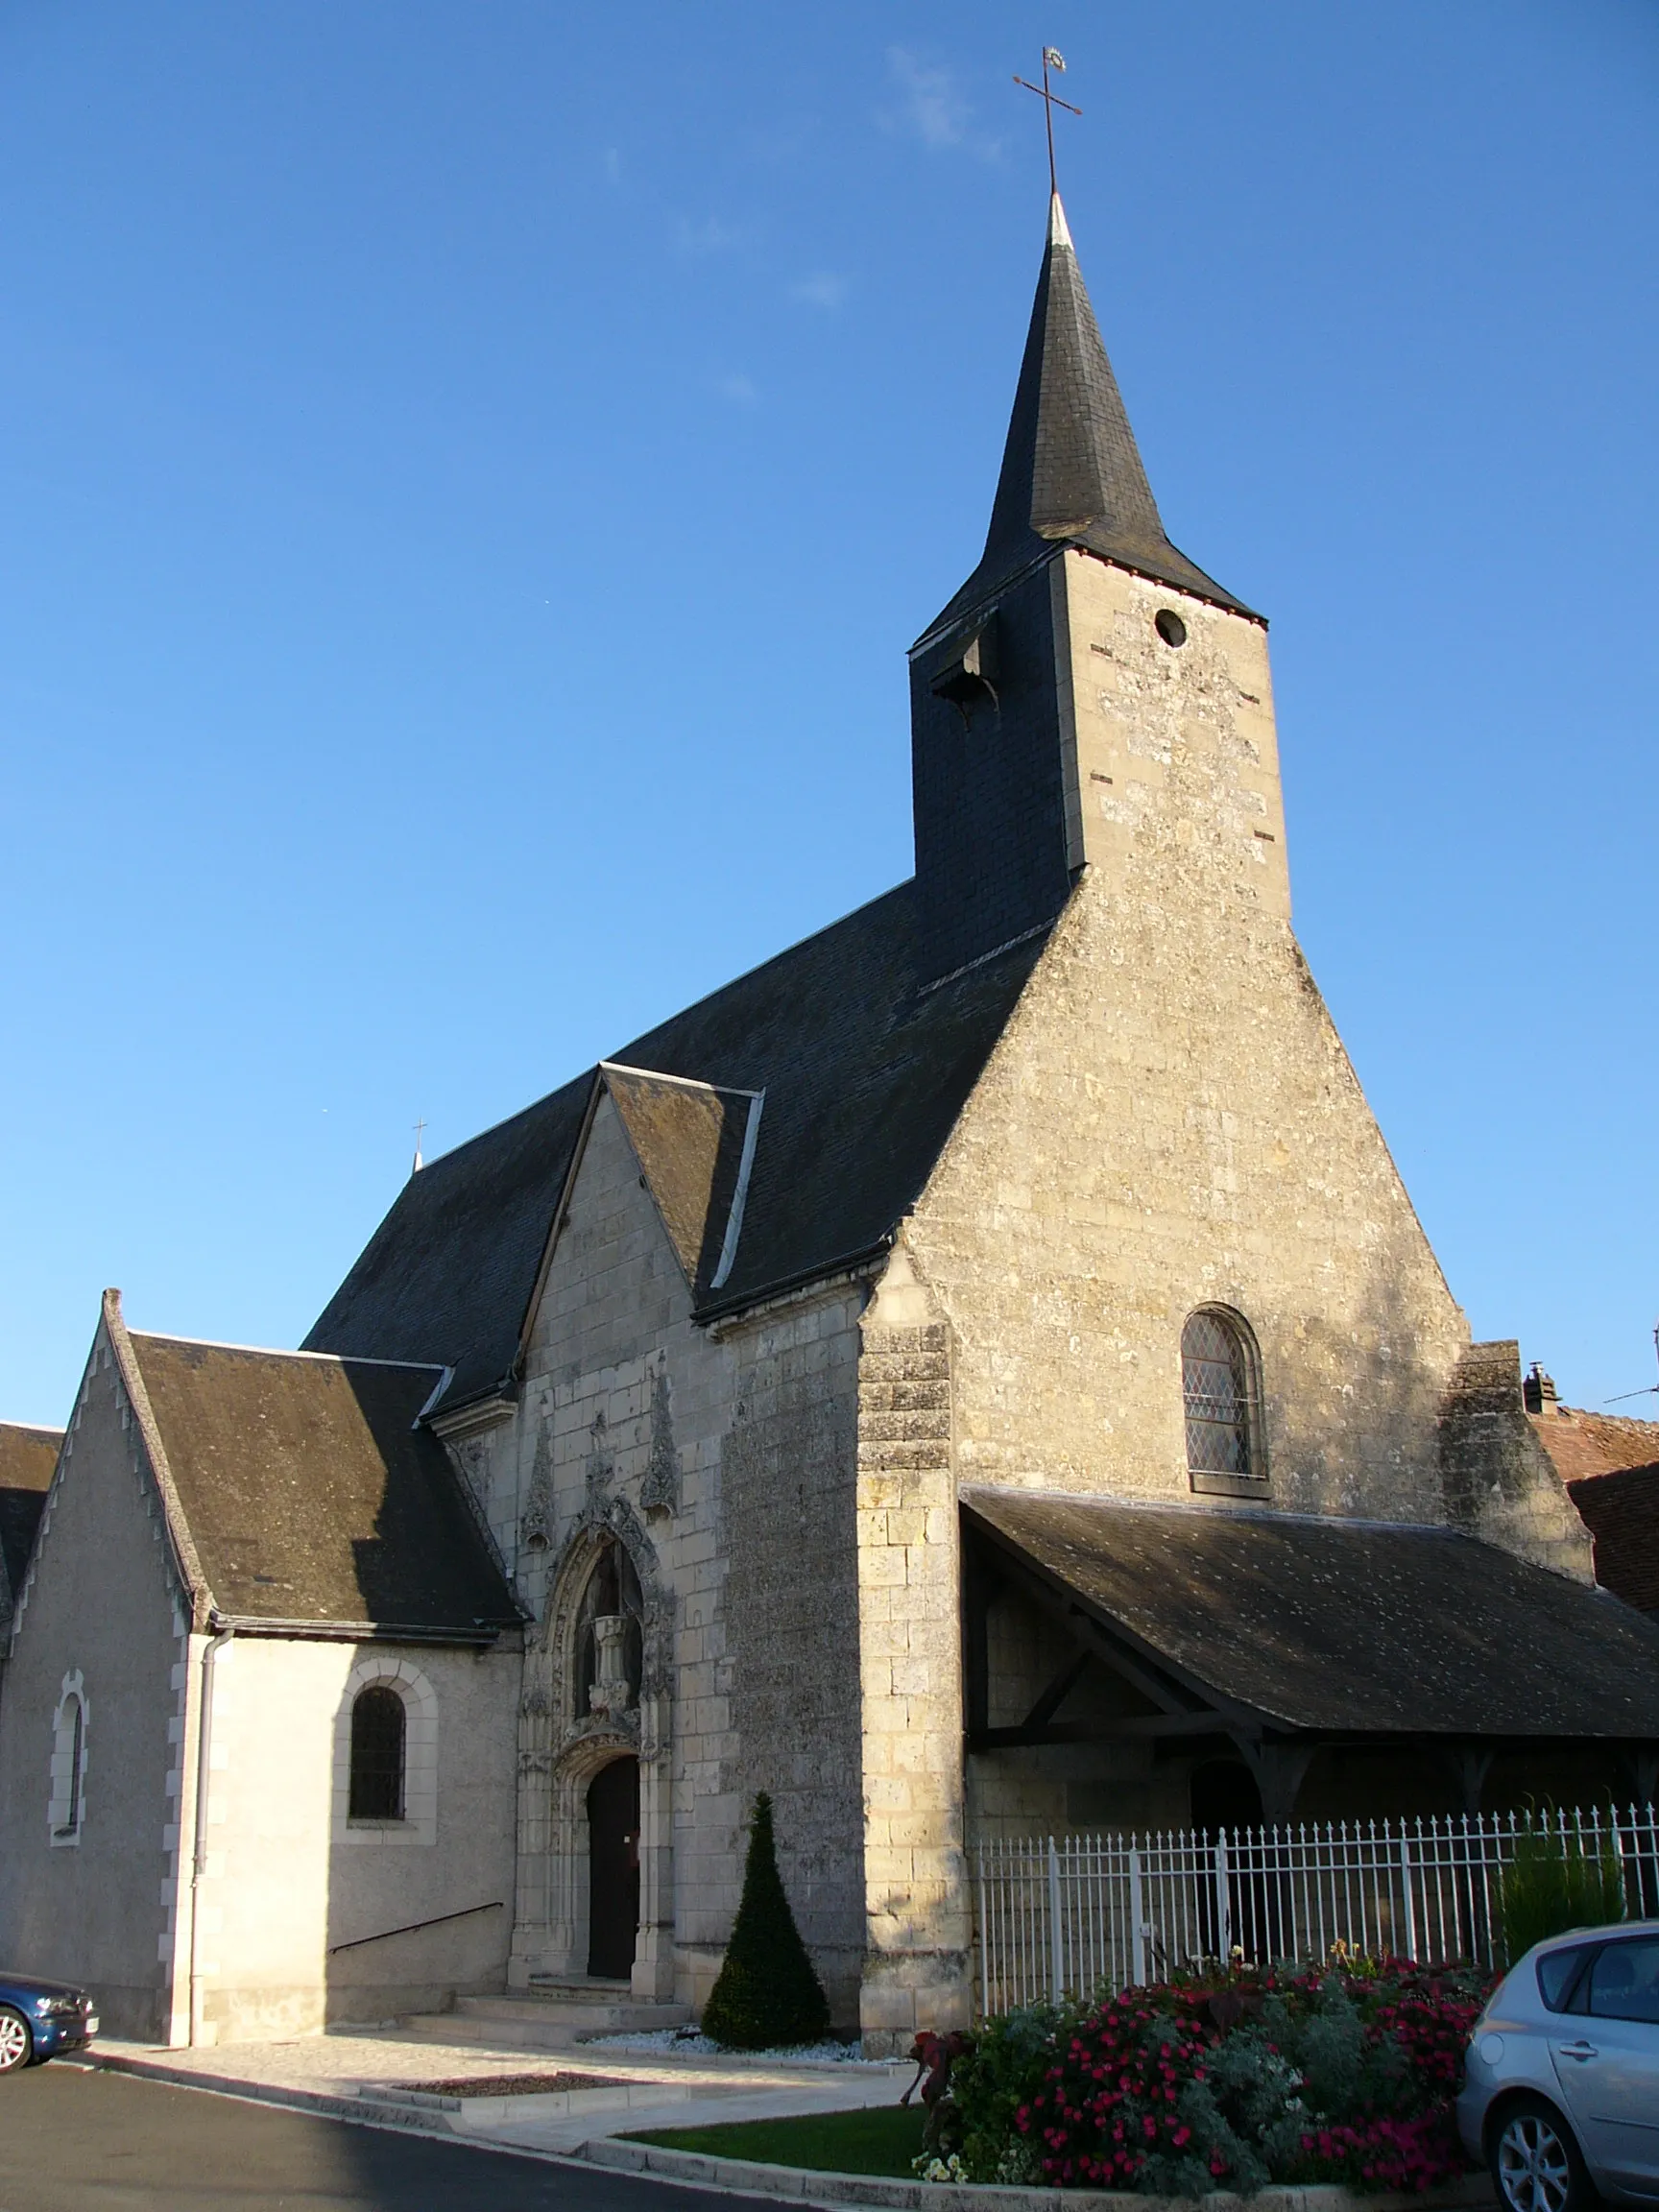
[(1217, 1374), (378, 1729)]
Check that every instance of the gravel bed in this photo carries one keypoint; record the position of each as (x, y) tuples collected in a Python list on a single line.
[(515, 2084), (688, 2043)]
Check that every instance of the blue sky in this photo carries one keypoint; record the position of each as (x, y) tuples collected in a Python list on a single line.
[(471, 474)]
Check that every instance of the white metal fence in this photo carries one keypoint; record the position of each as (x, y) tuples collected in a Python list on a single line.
[(1091, 1914)]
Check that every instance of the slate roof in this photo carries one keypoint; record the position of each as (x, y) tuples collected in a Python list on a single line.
[(689, 1139), (27, 1460), (310, 1495), (1072, 472), (1344, 1625), (865, 1068)]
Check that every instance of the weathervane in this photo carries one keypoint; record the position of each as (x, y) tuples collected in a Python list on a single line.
[(1052, 58)]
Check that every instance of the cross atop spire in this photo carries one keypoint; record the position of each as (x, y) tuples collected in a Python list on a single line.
[(1052, 58), (1072, 472)]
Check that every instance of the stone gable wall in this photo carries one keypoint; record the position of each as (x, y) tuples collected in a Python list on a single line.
[(725, 1461), (99, 1601), (1170, 1120)]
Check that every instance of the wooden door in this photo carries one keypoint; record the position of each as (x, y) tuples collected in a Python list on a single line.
[(613, 1870)]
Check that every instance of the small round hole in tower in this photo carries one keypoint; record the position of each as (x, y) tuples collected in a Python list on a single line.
[(1169, 626)]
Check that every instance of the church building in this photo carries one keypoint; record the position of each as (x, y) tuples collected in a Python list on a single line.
[(977, 1375)]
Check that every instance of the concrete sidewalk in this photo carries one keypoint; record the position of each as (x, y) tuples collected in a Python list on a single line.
[(383, 2078)]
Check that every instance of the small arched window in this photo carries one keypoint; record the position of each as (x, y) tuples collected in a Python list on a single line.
[(1218, 1378), (68, 1806), (377, 1762)]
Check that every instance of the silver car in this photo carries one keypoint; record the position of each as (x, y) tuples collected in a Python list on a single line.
[(1561, 2093)]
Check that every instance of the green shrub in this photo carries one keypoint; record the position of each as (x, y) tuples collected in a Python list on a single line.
[(990, 2084), (767, 1994), (1553, 1884), (1343, 2073)]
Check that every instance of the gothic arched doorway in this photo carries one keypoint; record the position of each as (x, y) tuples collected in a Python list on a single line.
[(613, 1870)]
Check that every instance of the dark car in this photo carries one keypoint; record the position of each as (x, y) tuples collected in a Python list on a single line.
[(40, 2019)]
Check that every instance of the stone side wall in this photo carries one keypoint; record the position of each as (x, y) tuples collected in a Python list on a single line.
[(1170, 1120), (723, 1460), (101, 1602), (288, 1877), (792, 1620)]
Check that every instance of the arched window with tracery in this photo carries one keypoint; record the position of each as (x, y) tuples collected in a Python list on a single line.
[(1221, 1382), (609, 1638), (378, 1729)]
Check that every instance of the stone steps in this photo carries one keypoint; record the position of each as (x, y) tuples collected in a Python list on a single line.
[(553, 2014)]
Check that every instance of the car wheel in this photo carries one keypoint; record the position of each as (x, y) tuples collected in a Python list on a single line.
[(16, 2043), (1535, 2162)]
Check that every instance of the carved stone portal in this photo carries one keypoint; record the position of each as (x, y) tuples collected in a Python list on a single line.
[(598, 1677)]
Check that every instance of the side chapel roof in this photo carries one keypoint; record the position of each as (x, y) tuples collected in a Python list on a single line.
[(309, 1495), (1325, 1623), (27, 1460), (1072, 472), (864, 1065)]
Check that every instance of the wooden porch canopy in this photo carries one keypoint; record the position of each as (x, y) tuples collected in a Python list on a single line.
[(1281, 1634)]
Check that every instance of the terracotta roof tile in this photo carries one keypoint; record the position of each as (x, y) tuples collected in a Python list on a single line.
[(1581, 1443), (1621, 1510)]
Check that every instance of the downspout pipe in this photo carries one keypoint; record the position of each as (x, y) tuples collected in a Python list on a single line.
[(199, 1858)]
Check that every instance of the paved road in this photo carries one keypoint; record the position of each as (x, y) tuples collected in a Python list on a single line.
[(74, 2140)]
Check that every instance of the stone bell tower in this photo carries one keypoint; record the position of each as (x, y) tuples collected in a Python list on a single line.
[(1090, 696)]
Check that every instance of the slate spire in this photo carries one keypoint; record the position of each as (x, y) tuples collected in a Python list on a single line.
[(1072, 472)]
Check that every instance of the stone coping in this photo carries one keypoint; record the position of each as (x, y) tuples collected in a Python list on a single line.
[(798, 2182)]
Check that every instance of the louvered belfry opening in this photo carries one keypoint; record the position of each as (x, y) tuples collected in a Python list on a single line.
[(377, 1727), (1216, 1374)]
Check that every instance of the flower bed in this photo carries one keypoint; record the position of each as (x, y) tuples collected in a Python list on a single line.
[(1232, 2080)]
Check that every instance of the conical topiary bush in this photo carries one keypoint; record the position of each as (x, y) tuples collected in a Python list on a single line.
[(767, 1993)]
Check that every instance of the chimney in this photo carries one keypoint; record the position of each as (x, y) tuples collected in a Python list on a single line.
[(1538, 1391)]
